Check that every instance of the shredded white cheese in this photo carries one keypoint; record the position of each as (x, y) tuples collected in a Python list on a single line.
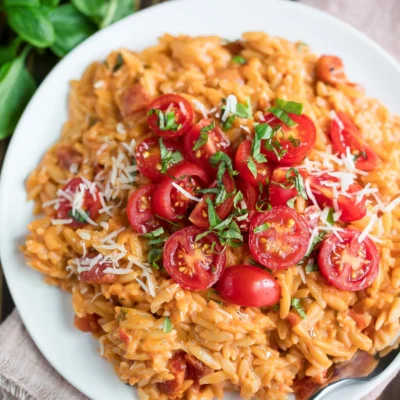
[(231, 103), (185, 192), (61, 221)]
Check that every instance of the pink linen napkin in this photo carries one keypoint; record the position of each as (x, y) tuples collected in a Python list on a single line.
[(24, 372)]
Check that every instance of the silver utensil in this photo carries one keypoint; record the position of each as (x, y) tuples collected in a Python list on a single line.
[(361, 368)]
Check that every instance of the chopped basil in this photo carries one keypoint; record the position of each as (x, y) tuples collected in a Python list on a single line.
[(261, 228), (299, 308), (168, 158), (228, 123), (212, 214), (220, 157), (362, 154), (239, 59), (203, 138), (79, 216), (166, 122), (275, 307), (329, 218), (319, 238), (290, 106), (291, 201), (232, 236), (252, 167), (238, 198), (167, 325), (311, 268), (119, 63), (282, 115), (294, 180), (153, 234), (154, 257), (122, 313), (207, 191), (295, 142)]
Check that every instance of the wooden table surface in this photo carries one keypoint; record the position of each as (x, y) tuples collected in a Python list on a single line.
[(42, 67)]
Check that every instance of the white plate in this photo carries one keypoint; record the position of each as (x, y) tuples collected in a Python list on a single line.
[(46, 311)]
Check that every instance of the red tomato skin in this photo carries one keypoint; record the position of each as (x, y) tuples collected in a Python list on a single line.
[(161, 201), (177, 367), (305, 128), (91, 205), (183, 114), (217, 141), (248, 286), (87, 323), (184, 239), (328, 271), (96, 275), (279, 196), (199, 215), (324, 196), (264, 170), (250, 197), (297, 241), (150, 166), (350, 136), (142, 221)]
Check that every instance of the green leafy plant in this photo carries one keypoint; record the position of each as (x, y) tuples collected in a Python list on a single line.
[(35, 25)]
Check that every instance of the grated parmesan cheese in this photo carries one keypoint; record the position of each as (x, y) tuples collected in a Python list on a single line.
[(185, 192), (120, 128), (231, 103), (392, 205), (368, 228), (61, 221)]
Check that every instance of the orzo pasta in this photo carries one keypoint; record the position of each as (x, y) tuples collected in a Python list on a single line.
[(224, 214)]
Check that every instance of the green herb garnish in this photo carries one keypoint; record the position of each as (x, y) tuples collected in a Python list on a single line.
[(203, 138), (79, 216), (311, 268), (298, 307), (154, 257), (261, 228), (167, 325), (239, 59), (168, 158), (166, 121), (119, 63)]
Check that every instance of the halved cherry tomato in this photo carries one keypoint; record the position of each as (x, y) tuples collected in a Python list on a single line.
[(148, 156), (96, 273), (216, 141), (87, 323), (139, 212), (279, 238), (281, 189), (89, 203), (348, 135), (297, 141), (350, 209), (264, 170), (250, 198), (199, 215), (168, 202), (195, 265), (248, 286), (180, 110), (348, 264), (177, 367)]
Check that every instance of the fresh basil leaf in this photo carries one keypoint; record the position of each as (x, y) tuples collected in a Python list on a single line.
[(201, 235), (228, 123), (362, 154), (312, 268), (238, 198), (154, 257), (275, 307), (117, 10), (70, 28), (219, 157), (290, 106), (93, 9), (50, 3), (167, 325), (282, 115), (298, 307), (329, 218), (119, 63), (28, 3), (295, 142), (232, 235), (203, 138), (244, 110), (291, 201), (153, 234), (221, 195), (16, 88), (166, 122), (295, 179), (264, 131), (79, 216), (8, 53), (239, 59), (168, 158), (261, 228), (319, 238), (212, 214), (122, 313), (252, 167), (32, 24), (207, 191)]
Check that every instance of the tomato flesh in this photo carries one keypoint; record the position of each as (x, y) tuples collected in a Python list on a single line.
[(348, 264), (281, 190), (177, 367), (264, 170), (347, 135), (148, 157), (216, 141), (199, 215), (250, 198), (279, 238), (296, 141), (167, 104), (350, 209), (195, 265), (170, 203), (139, 211), (89, 203), (249, 286), (96, 273)]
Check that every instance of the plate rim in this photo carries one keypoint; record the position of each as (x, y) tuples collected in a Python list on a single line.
[(19, 132)]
